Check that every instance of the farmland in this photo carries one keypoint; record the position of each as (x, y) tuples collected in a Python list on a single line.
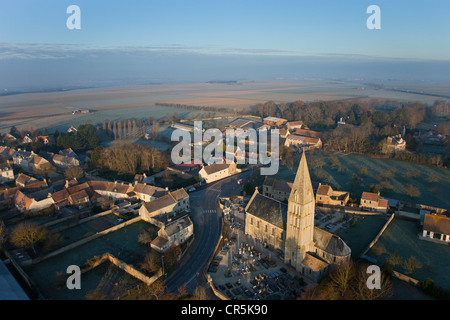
[(53, 110)]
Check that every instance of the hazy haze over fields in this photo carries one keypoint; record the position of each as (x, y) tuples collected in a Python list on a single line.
[(147, 42)]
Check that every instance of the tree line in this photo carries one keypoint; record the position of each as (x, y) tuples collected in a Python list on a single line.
[(129, 159)]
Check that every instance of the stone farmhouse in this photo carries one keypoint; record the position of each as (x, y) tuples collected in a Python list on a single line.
[(22, 180), (373, 202), (394, 144), (217, 171), (303, 141), (64, 162), (174, 233), (161, 210), (292, 125), (436, 228), (274, 121), (325, 195)]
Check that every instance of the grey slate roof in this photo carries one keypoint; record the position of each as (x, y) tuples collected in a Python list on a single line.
[(330, 243), (268, 209)]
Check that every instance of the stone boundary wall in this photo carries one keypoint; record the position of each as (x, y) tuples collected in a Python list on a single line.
[(216, 292), (86, 240), (352, 210), (125, 267), (378, 235), (405, 278)]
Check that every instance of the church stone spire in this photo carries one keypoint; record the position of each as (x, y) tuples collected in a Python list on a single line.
[(300, 218), (302, 191)]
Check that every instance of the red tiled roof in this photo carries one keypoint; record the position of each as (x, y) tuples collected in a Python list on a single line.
[(324, 190), (370, 196)]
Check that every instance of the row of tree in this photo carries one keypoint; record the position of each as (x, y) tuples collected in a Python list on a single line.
[(129, 159), (323, 115)]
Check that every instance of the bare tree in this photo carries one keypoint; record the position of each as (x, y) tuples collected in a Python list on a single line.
[(152, 262), (119, 129), (73, 172), (341, 277), (363, 292), (28, 235)]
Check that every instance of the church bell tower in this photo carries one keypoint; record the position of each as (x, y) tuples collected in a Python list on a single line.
[(300, 217)]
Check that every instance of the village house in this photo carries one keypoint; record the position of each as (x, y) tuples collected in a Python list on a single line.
[(22, 180), (307, 133), (114, 190), (6, 173), (64, 162), (72, 129), (27, 139), (68, 153), (188, 166), (373, 202), (284, 133), (276, 189), (23, 159), (142, 178), (75, 194), (217, 171), (436, 228), (7, 153), (341, 122), (274, 121), (165, 207), (44, 139), (33, 203), (303, 141), (173, 234), (292, 125), (7, 137), (39, 163), (325, 195), (145, 192), (394, 144)]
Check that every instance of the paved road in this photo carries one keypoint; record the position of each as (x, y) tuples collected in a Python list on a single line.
[(207, 224)]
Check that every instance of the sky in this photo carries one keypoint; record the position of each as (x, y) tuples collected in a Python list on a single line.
[(197, 40)]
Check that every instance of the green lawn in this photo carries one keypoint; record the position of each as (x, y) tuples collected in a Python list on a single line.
[(359, 236), (391, 176), (401, 238), (122, 243)]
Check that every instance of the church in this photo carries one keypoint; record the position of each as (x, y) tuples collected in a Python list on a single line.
[(290, 228)]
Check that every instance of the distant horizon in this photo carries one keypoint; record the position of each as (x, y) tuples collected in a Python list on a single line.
[(135, 42)]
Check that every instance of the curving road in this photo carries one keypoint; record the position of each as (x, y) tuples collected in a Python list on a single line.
[(207, 224)]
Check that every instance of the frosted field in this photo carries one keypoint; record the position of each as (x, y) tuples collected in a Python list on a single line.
[(53, 110)]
